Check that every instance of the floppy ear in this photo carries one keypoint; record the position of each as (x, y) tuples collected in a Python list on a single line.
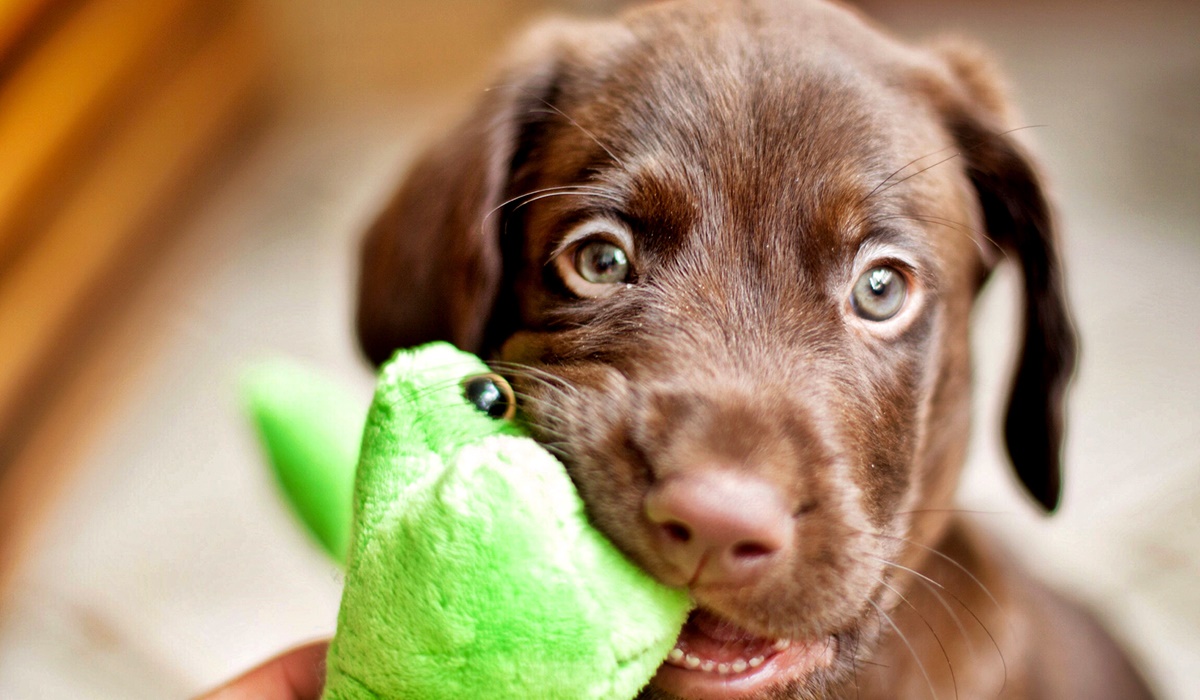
[(1019, 219), (431, 262)]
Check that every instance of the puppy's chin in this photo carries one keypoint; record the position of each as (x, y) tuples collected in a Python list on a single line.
[(715, 659)]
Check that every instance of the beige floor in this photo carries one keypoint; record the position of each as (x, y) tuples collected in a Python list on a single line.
[(169, 563)]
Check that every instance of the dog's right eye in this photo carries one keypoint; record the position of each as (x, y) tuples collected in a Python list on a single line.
[(602, 262), (595, 258)]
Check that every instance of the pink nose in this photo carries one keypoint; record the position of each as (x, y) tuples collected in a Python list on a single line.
[(719, 527)]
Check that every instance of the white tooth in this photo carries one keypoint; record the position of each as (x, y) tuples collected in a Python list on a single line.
[(781, 644), (676, 654), (739, 666), (723, 669), (756, 662), (691, 661), (708, 666)]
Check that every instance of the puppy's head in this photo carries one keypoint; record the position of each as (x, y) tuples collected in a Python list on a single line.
[(727, 253)]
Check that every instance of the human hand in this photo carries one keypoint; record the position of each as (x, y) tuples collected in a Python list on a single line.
[(298, 674)]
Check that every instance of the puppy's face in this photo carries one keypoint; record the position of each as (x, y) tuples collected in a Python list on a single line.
[(722, 277), (728, 257)]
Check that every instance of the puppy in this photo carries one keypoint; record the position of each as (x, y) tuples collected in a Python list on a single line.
[(727, 253)]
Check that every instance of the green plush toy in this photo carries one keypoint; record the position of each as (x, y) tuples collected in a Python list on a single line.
[(471, 570)]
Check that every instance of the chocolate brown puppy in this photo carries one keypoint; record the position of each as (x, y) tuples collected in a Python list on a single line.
[(727, 253)]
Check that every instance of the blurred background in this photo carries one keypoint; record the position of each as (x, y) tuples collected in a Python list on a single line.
[(182, 187)]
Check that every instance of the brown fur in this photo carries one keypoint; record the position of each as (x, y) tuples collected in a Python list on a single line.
[(756, 152)]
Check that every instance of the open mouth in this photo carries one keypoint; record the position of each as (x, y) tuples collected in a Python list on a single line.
[(714, 659)]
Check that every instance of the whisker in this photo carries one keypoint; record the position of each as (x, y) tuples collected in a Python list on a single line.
[(884, 186), (947, 591), (974, 234), (854, 668), (933, 587), (887, 618), (549, 420), (996, 644), (897, 171), (964, 511), (541, 431), (547, 195), (936, 638), (536, 374), (932, 219), (906, 178), (962, 629), (580, 189), (429, 389), (949, 560), (577, 125), (876, 664), (557, 449), (561, 113)]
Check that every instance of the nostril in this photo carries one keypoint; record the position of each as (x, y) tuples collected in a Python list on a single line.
[(805, 508), (751, 550), (723, 524), (677, 532)]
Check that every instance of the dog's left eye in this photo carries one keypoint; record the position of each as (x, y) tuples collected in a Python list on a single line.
[(879, 293)]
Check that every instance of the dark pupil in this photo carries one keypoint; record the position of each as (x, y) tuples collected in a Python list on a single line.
[(483, 394), (879, 281)]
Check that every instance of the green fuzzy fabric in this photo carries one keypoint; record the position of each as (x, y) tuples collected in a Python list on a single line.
[(311, 429), (473, 572)]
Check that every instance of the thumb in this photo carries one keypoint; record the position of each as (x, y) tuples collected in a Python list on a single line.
[(298, 674)]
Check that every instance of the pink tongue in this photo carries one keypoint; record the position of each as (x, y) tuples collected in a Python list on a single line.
[(712, 638)]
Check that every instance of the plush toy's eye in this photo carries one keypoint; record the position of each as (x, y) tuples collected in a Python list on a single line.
[(879, 293), (491, 394)]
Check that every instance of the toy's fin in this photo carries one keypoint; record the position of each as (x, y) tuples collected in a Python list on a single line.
[(311, 429)]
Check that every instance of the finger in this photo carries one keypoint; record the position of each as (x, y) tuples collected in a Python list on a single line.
[(298, 674)]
